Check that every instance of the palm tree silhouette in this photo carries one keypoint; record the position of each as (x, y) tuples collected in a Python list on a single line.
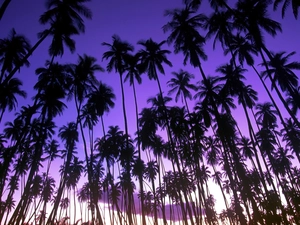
[(8, 94), (181, 85), (69, 134), (65, 20), (151, 59), (12, 51), (282, 73), (117, 54)]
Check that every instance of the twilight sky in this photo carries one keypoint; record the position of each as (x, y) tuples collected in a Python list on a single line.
[(132, 20)]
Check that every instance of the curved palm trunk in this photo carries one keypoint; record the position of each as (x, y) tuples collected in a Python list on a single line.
[(4, 7), (29, 53)]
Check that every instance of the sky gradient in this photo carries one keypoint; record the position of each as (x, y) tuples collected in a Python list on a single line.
[(132, 20)]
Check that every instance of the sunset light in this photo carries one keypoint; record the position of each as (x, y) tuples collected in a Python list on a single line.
[(149, 112)]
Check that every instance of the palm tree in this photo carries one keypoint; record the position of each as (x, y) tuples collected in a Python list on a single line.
[(56, 76), (83, 83), (186, 37), (291, 134), (151, 59), (181, 85), (12, 51), (150, 174), (282, 73), (49, 101), (286, 3), (117, 54), (8, 92), (133, 74), (252, 17), (65, 20), (83, 78), (221, 25), (208, 90), (69, 134), (100, 101), (48, 185), (73, 175)]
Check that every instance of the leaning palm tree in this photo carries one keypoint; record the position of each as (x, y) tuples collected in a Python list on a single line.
[(117, 54), (286, 3), (253, 18), (65, 19), (282, 73)]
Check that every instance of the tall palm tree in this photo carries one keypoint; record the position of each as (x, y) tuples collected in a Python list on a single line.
[(84, 82), (286, 3), (56, 76), (69, 134), (83, 78), (117, 54), (133, 75), (132, 68), (65, 20)]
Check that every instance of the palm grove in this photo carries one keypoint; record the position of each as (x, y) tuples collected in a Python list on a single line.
[(256, 171)]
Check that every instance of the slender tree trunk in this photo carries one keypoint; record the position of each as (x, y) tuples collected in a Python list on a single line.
[(4, 7), (29, 53), (139, 154)]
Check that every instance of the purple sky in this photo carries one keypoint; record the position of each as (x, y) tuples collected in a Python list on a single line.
[(132, 20)]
